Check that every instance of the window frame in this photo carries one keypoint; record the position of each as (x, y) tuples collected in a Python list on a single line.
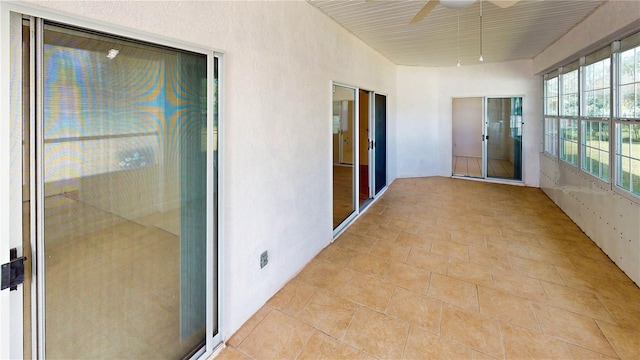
[(618, 120), (550, 139), (599, 56)]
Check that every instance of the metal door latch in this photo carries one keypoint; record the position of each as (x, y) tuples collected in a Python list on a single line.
[(13, 271)]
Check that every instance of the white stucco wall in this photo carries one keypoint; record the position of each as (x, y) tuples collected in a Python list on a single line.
[(424, 118), (280, 59)]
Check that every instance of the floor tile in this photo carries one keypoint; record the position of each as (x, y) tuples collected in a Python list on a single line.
[(248, 326), (507, 307), (230, 353), (422, 344), (407, 276), (520, 343), (434, 232), (457, 292), (384, 232), (450, 249), (292, 336), (321, 346), (414, 308), (472, 329), (362, 243), (536, 269), (518, 284), (577, 301), (292, 297), (336, 255), (468, 238), (380, 335), (625, 340), (369, 265), (418, 240), (424, 259), (492, 258), (572, 328), (328, 313), (580, 353), (325, 275), (467, 271), (391, 250), (369, 292)]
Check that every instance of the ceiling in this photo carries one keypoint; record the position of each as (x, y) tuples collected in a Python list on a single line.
[(521, 31)]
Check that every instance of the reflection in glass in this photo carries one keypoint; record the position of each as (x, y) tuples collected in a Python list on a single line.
[(125, 194), (343, 153), (504, 130), (380, 142)]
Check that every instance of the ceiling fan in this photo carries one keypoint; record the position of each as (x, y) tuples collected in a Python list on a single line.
[(454, 4)]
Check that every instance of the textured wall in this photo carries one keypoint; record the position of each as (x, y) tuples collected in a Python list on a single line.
[(424, 118), (280, 58), (608, 218)]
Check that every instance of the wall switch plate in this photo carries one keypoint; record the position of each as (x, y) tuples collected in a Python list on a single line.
[(264, 259)]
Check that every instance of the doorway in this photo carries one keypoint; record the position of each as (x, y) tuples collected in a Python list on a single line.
[(487, 138), (119, 171), (359, 151)]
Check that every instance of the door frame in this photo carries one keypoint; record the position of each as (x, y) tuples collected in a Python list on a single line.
[(485, 151), (11, 311), (356, 158), (485, 130), (359, 208)]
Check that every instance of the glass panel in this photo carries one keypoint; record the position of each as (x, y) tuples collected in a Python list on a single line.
[(628, 157), (551, 136), (380, 141), (343, 154), (504, 144), (596, 89), (570, 93), (595, 148), (467, 137), (125, 220), (363, 146), (569, 141), (551, 96)]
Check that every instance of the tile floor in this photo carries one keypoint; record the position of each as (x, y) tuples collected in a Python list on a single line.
[(452, 269)]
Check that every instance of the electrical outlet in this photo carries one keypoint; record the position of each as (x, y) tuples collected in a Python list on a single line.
[(264, 259)]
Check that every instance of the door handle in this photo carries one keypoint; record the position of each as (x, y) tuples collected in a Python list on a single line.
[(13, 271)]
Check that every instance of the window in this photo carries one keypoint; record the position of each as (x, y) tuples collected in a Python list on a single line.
[(596, 109), (628, 157), (627, 149), (592, 115), (551, 112), (629, 89), (569, 141), (551, 136), (595, 148), (596, 89), (569, 105), (569, 113), (551, 96)]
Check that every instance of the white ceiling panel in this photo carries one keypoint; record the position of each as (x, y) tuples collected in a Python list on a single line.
[(520, 31)]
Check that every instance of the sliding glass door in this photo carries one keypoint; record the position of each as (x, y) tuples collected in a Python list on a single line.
[(125, 174), (487, 137), (344, 136), (359, 167), (380, 142), (504, 138)]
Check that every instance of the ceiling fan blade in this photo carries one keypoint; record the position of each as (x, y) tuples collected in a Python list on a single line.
[(503, 3), (426, 9)]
